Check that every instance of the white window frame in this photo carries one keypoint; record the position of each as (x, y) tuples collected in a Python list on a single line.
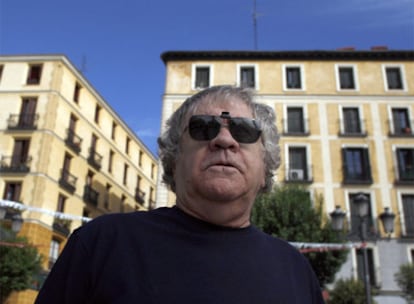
[(256, 73), (403, 80), (302, 77), (391, 118), (400, 193), (308, 159), (361, 118), (395, 159), (194, 67), (305, 116), (354, 68)]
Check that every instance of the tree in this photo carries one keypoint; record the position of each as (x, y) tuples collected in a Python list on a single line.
[(405, 280), (19, 263), (287, 213), (348, 291)]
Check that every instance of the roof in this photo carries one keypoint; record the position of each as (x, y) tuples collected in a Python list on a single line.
[(341, 54)]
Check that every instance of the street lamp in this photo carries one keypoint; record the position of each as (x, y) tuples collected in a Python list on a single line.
[(14, 216), (361, 203)]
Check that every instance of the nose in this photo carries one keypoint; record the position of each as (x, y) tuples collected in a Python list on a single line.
[(223, 140)]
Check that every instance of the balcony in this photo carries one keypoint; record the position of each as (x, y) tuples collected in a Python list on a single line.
[(73, 141), (299, 175), (295, 127), (68, 181), (15, 164), (401, 128), (22, 122), (405, 177), (62, 226), (90, 195), (356, 178), (95, 159), (352, 128), (139, 196)]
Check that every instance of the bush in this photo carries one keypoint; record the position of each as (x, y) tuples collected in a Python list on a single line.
[(348, 291), (405, 280), (18, 265)]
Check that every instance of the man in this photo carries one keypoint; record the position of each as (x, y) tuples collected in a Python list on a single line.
[(219, 150)]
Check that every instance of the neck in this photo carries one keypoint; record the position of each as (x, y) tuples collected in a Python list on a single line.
[(229, 214)]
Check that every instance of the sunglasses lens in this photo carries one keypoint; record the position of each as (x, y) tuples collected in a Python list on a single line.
[(202, 127), (244, 130), (205, 127)]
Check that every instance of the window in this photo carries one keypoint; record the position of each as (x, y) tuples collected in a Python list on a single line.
[(405, 162), (61, 203), (152, 171), (293, 78), (394, 77), (12, 191), (20, 156), (97, 113), (127, 144), (247, 76), (35, 73), (1, 71), (113, 132), (408, 209), (76, 92), (27, 117), (351, 121), (110, 160), (202, 77), (356, 167), (346, 77), (401, 124), (298, 164), (125, 179), (295, 120), (107, 199), (371, 266), (140, 157), (53, 252)]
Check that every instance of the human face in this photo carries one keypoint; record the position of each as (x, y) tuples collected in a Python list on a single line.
[(219, 170)]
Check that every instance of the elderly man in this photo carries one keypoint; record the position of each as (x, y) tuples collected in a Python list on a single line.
[(219, 150)]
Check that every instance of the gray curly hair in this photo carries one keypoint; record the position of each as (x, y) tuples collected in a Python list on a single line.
[(169, 141)]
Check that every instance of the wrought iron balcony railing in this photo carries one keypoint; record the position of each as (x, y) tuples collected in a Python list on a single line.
[(68, 181), (22, 121), (15, 164), (90, 195), (95, 159), (73, 141)]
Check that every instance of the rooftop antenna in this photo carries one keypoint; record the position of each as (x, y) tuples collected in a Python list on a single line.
[(255, 25)]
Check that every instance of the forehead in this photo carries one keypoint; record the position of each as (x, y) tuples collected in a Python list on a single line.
[(234, 105)]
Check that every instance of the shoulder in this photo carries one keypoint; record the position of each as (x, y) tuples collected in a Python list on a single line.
[(120, 225)]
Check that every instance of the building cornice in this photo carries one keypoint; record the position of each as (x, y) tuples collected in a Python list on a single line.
[(316, 55)]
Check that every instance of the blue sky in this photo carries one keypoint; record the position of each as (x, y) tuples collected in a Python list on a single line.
[(120, 42)]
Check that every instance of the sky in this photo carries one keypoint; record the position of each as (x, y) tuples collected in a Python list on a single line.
[(118, 44)]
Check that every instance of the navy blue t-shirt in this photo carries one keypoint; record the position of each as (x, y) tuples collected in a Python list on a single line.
[(167, 256)]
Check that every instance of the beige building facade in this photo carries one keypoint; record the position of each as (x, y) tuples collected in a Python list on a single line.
[(65, 154), (346, 120)]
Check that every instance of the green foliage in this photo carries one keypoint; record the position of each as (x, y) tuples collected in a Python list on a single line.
[(287, 213), (348, 291), (18, 265), (405, 280)]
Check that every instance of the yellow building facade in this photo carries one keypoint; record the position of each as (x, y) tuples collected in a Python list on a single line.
[(346, 120), (66, 155)]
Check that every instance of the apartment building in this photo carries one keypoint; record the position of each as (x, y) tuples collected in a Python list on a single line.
[(346, 119), (64, 149)]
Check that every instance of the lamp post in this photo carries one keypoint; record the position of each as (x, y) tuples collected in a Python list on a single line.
[(361, 203)]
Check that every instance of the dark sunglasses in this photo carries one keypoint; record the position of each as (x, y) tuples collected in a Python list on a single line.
[(206, 127)]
